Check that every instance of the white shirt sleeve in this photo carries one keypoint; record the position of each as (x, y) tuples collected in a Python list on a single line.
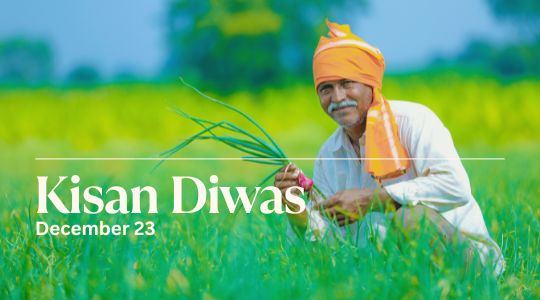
[(442, 182)]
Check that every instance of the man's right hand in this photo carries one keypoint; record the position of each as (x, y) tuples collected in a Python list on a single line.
[(286, 178)]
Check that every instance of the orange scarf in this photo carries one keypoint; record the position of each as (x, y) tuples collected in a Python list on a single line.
[(343, 55)]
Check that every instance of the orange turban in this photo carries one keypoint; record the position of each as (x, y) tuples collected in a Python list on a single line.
[(343, 55)]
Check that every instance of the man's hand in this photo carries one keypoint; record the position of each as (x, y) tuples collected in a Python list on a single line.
[(347, 206), (286, 178)]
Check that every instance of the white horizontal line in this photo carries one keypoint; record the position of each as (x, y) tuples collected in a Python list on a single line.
[(241, 158)]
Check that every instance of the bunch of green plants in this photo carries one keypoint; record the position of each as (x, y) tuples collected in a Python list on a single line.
[(257, 149)]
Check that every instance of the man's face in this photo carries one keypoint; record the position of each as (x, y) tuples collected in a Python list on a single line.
[(346, 101)]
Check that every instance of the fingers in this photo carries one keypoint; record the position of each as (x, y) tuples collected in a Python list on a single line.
[(286, 178), (284, 189), (287, 175), (284, 184), (339, 218), (343, 220), (330, 213), (332, 201), (289, 172), (346, 221), (337, 213), (289, 168)]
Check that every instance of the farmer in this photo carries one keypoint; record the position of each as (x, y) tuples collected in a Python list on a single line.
[(389, 162)]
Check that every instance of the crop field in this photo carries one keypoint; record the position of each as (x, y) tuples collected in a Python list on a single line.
[(246, 256)]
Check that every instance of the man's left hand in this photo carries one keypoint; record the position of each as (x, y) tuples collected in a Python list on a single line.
[(347, 206)]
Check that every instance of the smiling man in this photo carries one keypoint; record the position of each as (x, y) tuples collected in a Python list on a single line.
[(389, 162)]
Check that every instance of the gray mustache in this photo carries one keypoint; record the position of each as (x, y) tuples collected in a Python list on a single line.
[(337, 105)]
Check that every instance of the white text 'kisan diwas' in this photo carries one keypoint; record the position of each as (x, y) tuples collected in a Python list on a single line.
[(90, 199)]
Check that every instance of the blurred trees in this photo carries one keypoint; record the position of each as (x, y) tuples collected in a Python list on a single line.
[(523, 56), (25, 62), (240, 44), (524, 14), (519, 58), (83, 75)]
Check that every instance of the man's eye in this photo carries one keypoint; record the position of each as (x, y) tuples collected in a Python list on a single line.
[(325, 91)]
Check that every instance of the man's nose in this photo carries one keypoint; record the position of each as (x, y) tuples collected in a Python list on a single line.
[(339, 94)]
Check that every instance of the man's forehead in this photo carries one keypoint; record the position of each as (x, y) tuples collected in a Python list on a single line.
[(336, 81)]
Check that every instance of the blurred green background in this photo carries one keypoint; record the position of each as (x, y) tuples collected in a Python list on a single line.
[(90, 79)]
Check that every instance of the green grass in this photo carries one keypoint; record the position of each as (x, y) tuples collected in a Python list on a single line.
[(247, 256)]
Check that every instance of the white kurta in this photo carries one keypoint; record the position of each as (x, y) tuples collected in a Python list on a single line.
[(436, 178)]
